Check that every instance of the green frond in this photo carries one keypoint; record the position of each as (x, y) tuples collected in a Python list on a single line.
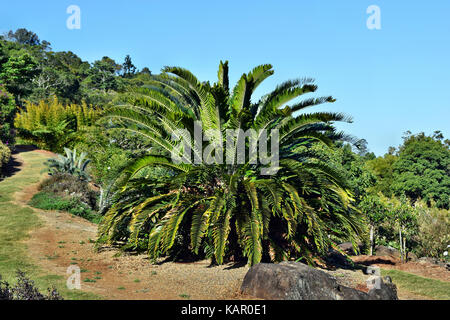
[(200, 221), (222, 75)]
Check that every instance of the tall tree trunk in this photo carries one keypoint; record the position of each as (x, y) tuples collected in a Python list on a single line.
[(404, 247), (371, 240), (401, 243)]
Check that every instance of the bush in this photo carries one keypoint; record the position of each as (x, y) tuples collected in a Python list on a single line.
[(51, 125), (70, 164), (5, 155), (65, 185), (25, 289), (7, 112), (50, 201), (110, 150), (434, 231)]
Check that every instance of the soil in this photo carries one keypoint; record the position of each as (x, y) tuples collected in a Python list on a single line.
[(63, 240), (423, 269)]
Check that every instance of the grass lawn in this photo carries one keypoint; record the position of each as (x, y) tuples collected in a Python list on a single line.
[(16, 222), (427, 287)]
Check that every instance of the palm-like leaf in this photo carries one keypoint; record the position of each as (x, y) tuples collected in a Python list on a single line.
[(231, 207)]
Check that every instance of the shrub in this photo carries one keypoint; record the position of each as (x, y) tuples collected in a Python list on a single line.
[(238, 209), (65, 185), (434, 231), (5, 155), (51, 125), (110, 151), (7, 111), (69, 164), (25, 289), (73, 205)]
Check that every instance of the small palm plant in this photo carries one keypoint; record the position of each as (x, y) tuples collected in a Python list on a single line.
[(230, 209), (69, 164)]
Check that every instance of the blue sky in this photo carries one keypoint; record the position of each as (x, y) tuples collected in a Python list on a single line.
[(389, 80)]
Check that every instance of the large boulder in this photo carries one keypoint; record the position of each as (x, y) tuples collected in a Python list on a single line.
[(297, 281), (387, 251)]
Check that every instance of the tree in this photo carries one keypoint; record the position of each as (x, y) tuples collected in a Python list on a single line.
[(402, 214), (230, 209), (146, 70), (102, 76), (3, 54), (433, 234), (23, 36), (8, 110), (51, 82), (17, 73), (422, 170), (376, 212), (128, 67), (383, 169), (359, 176)]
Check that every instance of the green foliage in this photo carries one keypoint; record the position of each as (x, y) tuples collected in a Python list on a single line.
[(110, 151), (52, 125), (400, 223), (360, 177), (383, 169), (65, 185), (434, 231), (7, 112), (5, 155), (73, 205), (24, 36), (33, 72), (18, 72), (129, 68), (70, 164), (230, 209), (422, 170), (102, 76), (377, 213), (374, 208)]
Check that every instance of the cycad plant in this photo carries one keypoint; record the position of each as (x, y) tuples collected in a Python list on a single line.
[(241, 207), (69, 164)]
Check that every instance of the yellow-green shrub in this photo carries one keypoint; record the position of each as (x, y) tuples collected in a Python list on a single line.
[(51, 124), (434, 230), (5, 154)]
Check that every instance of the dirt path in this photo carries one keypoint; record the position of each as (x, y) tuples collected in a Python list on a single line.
[(63, 240), (426, 270)]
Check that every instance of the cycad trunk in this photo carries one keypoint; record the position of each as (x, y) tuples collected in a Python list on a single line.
[(266, 251)]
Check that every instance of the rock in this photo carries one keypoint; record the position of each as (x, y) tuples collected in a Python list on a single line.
[(297, 281), (336, 259), (386, 291), (387, 251), (411, 256), (347, 247)]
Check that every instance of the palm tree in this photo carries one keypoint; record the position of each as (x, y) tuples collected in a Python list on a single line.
[(232, 208)]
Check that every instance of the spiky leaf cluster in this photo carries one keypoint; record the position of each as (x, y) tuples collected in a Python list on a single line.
[(70, 164), (231, 209)]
